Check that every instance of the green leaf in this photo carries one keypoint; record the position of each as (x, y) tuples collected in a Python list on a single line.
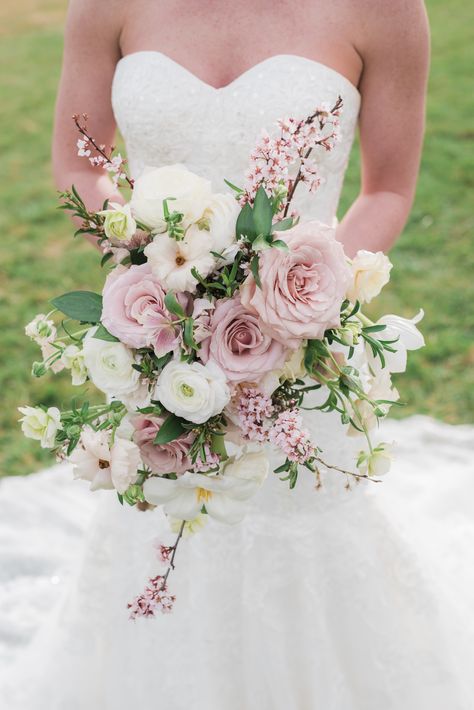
[(218, 446), (103, 334), (285, 224), (280, 244), (84, 306), (262, 212), (233, 187), (254, 270), (173, 306), (106, 258), (170, 430), (245, 226), (188, 333)]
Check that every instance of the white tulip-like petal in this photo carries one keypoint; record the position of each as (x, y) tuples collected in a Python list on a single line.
[(224, 495), (409, 338)]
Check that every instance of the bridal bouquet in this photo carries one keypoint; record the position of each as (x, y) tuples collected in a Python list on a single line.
[(220, 313)]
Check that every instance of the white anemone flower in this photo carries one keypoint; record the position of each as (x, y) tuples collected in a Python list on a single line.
[(409, 338), (223, 495)]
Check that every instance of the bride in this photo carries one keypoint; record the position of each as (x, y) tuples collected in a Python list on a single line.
[(335, 599)]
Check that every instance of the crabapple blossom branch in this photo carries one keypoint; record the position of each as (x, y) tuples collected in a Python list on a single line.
[(114, 164)]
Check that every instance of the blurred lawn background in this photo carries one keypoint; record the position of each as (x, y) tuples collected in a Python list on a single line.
[(434, 259)]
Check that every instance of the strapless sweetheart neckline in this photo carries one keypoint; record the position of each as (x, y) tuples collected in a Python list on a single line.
[(246, 72)]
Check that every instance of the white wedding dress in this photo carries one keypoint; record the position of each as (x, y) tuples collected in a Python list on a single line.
[(321, 599)]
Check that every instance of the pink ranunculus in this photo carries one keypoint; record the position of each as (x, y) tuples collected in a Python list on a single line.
[(161, 458), (302, 289), (238, 344), (134, 310)]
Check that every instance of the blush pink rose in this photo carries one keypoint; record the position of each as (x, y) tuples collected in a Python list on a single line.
[(134, 310), (238, 344), (162, 458), (302, 289)]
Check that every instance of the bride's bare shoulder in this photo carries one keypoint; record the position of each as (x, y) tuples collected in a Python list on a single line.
[(90, 22)]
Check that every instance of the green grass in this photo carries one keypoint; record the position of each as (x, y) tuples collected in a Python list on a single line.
[(434, 259)]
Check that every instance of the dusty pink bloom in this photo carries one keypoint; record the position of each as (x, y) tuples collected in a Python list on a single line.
[(254, 411), (161, 458), (287, 434), (134, 310), (238, 344), (302, 289), (155, 598)]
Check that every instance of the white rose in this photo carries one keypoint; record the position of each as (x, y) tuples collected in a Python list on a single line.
[(172, 261), (191, 192), (224, 496), (73, 359), (221, 216), (41, 329), (370, 273), (377, 462), (119, 224), (409, 338), (193, 391), (40, 425), (110, 365)]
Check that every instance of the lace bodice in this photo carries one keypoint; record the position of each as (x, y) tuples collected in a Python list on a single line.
[(167, 115)]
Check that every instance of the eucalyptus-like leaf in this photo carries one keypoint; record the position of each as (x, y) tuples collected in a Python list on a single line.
[(173, 306), (262, 212), (84, 306), (169, 430)]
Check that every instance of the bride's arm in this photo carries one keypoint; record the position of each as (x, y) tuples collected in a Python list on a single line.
[(395, 49), (91, 51)]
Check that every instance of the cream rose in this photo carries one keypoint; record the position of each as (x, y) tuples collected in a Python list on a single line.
[(119, 224), (193, 391), (36, 423), (370, 273), (191, 194), (110, 365)]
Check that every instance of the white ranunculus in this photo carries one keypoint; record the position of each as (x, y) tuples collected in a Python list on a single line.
[(221, 216), (171, 261), (193, 391), (119, 224), (224, 496), (110, 365), (376, 463), (41, 329), (409, 338), (36, 423), (73, 359), (125, 461), (370, 273), (192, 195)]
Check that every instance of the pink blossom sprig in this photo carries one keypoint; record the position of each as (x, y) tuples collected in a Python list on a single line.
[(288, 434), (272, 157), (255, 410), (86, 146), (156, 596)]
